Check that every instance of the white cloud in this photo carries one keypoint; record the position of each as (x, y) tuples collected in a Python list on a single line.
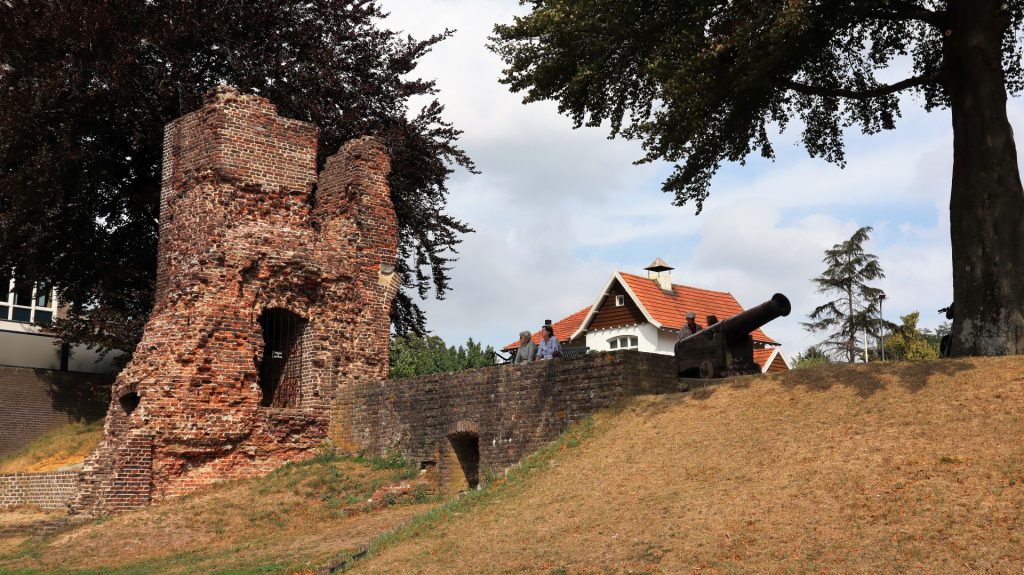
[(556, 209)]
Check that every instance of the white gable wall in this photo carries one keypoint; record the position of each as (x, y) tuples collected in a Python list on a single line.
[(667, 341), (646, 334)]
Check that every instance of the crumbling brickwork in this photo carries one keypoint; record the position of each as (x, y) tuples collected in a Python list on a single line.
[(271, 296), (502, 412)]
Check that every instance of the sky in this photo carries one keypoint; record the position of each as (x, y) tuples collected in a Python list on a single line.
[(557, 210)]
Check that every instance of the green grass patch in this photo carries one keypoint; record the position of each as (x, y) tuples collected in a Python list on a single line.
[(236, 527), (65, 445), (337, 481), (515, 479)]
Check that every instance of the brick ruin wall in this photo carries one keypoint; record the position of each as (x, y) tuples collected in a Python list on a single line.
[(273, 293), (505, 411), (270, 329)]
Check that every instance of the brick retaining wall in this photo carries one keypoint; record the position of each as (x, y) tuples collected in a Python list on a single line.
[(44, 490), (508, 411), (35, 401)]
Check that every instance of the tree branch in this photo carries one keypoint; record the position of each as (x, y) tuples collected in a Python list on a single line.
[(900, 11), (883, 90)]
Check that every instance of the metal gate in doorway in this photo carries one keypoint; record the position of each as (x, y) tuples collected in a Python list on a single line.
[(281, 367)]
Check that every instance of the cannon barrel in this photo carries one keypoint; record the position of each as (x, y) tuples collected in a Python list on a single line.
[(741, 324)]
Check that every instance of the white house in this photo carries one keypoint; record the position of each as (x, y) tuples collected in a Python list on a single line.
[(645, 313)]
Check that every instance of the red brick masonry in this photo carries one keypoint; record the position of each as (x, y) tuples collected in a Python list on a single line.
[(245, 240)]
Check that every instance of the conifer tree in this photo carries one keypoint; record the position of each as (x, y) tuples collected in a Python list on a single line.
[(854, 311)]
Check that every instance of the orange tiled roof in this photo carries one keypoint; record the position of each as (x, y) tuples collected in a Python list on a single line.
[(564, 328), (669, 309), (761, 356)]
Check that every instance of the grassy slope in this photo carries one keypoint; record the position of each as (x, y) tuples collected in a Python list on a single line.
[(294, 520), (65, 445), (914, 467)]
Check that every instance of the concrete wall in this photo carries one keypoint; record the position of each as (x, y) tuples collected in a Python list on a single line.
[(34, 401), (44, 490), (512, 410)]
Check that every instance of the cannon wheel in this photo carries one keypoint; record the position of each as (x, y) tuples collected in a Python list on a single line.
[(708, 369)]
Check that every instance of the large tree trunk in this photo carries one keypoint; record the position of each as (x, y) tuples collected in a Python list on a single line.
[(987, 202)]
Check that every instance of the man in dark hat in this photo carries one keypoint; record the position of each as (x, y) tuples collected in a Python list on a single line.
[(690, 327)]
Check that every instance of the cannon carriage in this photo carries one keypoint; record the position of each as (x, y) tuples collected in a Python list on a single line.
[(726, 348)]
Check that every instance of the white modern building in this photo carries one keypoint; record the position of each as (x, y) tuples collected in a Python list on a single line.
[(26, 309)]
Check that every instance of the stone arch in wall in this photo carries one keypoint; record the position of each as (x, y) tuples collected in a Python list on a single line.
[(129, 401), (281, 366), (461, 458)]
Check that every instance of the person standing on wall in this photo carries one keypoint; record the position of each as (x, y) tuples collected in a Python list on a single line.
[(527, 349), (549, 347)]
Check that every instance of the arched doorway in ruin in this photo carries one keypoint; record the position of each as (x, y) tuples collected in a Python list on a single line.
[(281, 365)]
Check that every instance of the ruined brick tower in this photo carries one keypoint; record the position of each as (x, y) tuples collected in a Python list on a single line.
[(270, 297)]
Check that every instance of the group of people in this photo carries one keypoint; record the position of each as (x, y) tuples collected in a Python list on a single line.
[(548, 348), (690, 327)]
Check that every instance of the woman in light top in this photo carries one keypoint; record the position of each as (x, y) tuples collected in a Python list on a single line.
[(549, 347)]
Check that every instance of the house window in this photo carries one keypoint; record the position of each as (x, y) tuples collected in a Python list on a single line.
[(624, 342), (26, 302), (620, 300)]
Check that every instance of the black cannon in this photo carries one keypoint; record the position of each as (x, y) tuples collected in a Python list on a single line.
[(726, 348)]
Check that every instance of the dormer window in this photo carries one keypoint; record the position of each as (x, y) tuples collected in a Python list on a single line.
[(624, 342), (620, 300)]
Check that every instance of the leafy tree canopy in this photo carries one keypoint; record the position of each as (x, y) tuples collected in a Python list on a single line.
[(703, 82), (908, 342), (86, 88), (413, 355), (811, 357), (854, 311)]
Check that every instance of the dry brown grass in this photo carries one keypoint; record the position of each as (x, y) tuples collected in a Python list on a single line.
[(898, 468), (294, 520), (66, 445)]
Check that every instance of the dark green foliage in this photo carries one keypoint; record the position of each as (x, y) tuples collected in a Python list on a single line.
[(413, 355), (86, 88), (704, 82), (854, 311)]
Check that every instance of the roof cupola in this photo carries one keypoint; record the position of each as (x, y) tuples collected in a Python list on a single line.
[(661, 273)]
